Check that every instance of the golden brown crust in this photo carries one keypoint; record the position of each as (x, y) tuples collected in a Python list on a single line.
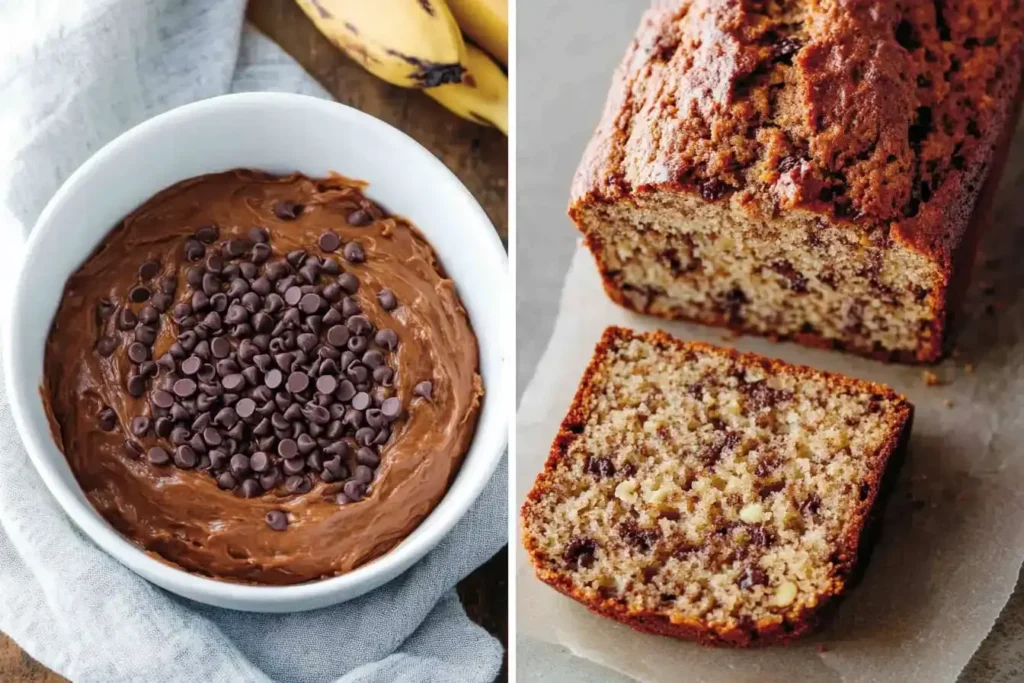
[(883, 116), (850, 559)]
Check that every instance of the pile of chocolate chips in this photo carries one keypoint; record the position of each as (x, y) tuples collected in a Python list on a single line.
[(276, 377)]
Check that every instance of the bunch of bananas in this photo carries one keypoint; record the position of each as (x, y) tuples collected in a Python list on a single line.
[(419, 44)]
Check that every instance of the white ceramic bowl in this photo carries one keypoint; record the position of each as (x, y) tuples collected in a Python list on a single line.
[(277, 133)]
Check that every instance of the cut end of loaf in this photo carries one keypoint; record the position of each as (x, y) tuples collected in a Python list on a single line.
[(675, 255), (705, 494)]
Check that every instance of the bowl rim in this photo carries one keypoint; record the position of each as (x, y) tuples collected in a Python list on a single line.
[(176, 579)]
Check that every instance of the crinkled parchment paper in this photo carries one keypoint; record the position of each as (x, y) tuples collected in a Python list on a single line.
[(953, 539)]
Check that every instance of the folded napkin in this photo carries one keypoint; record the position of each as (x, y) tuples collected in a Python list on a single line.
[(73, 75)]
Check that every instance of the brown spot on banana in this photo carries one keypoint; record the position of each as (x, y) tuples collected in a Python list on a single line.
[(432, 74), (427, 7), (351, 28), (324, 14)]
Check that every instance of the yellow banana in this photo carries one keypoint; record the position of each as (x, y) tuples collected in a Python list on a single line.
[(486, 22), (482, 97), (410, 43)]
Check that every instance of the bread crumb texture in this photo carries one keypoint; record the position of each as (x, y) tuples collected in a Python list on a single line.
[(801, 168), (708, 494)]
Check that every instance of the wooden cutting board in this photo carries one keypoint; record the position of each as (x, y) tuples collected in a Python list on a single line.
[(478, 156)]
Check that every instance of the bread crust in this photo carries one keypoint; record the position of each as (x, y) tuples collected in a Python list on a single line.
[(928, 195), (855, 548)]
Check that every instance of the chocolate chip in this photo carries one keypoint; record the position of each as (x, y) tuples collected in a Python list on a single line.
[(211, 285), (349, 283), (235, 248), (259, 462), (239, 464), (105, 346), (194, 276), (208, 234), (277, 520), (148, 315), (220, 348), (259, 235), (353, 490), (149, 270), (712, 190), (179, 435), (359, 218), (194, 250), (185, 457), (200, 302), (250, 488), (386, 338), (260, 253), (126, 319), (215, 263), (161, 301), (138, 352), (292, 295), (310, 303), (354, 253), (158, 456), (107, 419), (367, 456), (245, 408), (363, 474), (297, 484), (273, 378), (361, 401), (387, 299), (136, 385), (424, 389), (226, 417), (162, 426), (338, 336), (326, 384), (140, 425), (293, 466), (391, 408), (329, 241), (145, 334), (298, 382), (332, 292), (226, 481), (191, 365), (288, 210)]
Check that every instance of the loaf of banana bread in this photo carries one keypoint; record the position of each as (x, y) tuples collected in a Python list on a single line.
[(807, 169), (704, 494)]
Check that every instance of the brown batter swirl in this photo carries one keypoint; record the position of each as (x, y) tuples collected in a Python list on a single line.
[(182, 516)]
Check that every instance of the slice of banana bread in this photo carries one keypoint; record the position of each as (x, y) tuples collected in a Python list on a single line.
[(700, 493), (811, 169)]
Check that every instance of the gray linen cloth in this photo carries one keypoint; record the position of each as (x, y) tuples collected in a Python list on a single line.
[(73, 75)]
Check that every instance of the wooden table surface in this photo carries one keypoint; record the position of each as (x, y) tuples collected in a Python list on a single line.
[(478, 156)]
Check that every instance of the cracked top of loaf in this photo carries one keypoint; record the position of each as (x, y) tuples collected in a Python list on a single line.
[(874, 112)]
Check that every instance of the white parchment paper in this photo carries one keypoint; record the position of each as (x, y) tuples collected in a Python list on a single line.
[(953, 538)]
